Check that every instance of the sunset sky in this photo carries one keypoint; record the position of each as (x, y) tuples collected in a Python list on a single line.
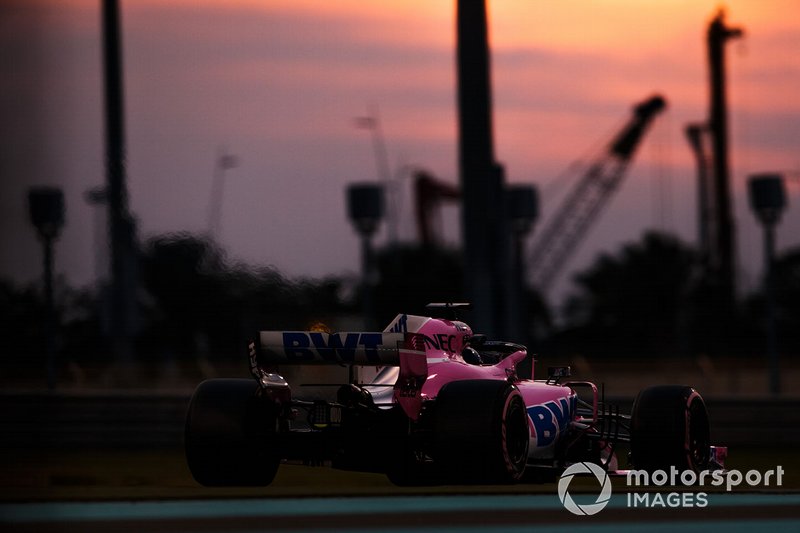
[(279, 83)]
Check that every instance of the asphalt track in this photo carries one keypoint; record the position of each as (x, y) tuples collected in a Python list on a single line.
[(730, 513)]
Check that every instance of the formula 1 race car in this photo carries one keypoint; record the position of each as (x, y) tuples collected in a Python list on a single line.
[(447, 407)]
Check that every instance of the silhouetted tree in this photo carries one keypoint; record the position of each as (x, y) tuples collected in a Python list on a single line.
[(21, 331), (182, 274), (787, 300), (787, 306), (79, 337), (634, 303), (83, 330), (202, 305), (412, 276)]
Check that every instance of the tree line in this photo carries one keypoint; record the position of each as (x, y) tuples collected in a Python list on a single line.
[(648, 298)]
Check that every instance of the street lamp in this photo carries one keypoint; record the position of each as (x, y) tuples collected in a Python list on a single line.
[(372, 122), (365, 209), (223, 163), (768, 200), (46, 206)]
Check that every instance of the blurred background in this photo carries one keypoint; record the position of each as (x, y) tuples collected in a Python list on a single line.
[(199, 180)]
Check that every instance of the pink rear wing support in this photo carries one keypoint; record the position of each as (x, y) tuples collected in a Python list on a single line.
[(412, 376)]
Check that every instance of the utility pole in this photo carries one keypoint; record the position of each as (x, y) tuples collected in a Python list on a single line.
[(718, 35), (485, 239)]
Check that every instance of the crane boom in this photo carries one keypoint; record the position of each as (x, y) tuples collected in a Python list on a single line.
[(585, 202)]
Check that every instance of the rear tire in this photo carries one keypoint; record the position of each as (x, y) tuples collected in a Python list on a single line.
[(481, 432), (229, 435), (669, 427)]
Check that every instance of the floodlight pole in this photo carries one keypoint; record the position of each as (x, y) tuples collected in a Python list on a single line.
[(772, 334), (365, 208), (50, 318), (46, 205), (768, 200), (222, 164), (372, 122), (368, 280)]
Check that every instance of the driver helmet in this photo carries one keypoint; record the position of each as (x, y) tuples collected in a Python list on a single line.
[(462, 338), (471, 356)]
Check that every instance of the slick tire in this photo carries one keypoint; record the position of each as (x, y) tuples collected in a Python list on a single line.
[(230, 435), (481, 432), (669, 427)]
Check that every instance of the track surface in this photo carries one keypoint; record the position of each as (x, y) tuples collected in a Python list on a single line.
[(137, 491), (474, 513)]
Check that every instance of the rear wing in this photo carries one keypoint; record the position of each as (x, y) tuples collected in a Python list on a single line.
[(406, 350), (318, 348)]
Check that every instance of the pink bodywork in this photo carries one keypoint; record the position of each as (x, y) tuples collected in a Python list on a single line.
[(432, 357), (420, 355)]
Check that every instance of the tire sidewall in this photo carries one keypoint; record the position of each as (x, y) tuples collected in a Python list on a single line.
[(481, 432), (669, 427), (229, 434)]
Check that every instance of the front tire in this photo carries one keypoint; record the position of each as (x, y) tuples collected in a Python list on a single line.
[(229, 435), (481, 432), (669, 427)]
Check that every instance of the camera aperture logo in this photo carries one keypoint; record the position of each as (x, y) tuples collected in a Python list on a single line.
[(581, 469)]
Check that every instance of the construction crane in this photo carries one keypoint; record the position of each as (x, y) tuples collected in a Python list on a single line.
[(429, 193), (581, 207)]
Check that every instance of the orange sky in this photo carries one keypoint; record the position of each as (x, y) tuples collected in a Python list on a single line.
[(278, 82)]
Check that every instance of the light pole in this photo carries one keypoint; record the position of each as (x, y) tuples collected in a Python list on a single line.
[(365, 209), (223, 163), (768, 199), (46, 205), (98, 197), (372, 122)]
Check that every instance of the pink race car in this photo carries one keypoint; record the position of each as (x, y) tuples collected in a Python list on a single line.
[(447, 407)]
